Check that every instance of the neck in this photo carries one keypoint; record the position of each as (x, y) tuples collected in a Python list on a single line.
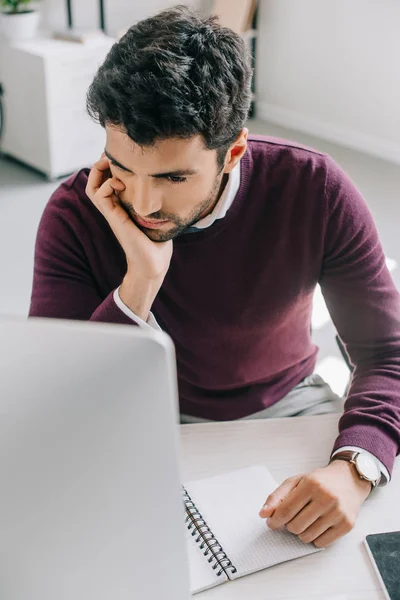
[(222, 187)]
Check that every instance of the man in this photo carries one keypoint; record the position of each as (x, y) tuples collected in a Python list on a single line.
[(220, 239)]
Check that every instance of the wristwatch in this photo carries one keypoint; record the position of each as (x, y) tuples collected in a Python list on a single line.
[(366, 465)]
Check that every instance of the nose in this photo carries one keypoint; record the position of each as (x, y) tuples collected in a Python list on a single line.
[(147, 200)]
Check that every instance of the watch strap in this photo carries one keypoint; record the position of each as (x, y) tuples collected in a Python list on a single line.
[(350, 456)]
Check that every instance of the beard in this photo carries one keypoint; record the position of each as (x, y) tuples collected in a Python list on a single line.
[(179, 225)]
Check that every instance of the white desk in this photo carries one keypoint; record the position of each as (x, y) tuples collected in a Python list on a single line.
[(287, 447)]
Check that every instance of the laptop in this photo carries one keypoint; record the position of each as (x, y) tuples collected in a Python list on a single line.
[(91, 504)]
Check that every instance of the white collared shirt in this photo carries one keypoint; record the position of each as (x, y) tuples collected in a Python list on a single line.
[(225, 202)]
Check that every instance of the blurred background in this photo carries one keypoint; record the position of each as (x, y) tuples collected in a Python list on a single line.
[(327, 74)]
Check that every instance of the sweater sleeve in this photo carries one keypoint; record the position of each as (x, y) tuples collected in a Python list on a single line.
[(63, 284), (365, 307)]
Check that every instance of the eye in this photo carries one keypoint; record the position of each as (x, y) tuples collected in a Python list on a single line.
[(113, 164), (176, 179)]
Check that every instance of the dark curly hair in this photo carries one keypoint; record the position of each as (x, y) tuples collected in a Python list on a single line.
[(177, 74)]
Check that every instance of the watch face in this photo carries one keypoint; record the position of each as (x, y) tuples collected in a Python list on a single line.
[(368, 467)]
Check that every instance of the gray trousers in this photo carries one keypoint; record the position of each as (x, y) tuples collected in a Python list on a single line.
[(312, 396)]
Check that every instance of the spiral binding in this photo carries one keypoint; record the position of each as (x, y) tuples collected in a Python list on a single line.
[(207, 541)]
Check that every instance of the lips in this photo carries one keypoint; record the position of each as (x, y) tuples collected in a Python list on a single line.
[(150, 224)]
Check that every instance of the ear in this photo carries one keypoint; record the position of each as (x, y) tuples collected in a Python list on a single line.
[(236, 151)]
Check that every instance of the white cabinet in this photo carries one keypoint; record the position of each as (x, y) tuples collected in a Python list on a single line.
[(45, 83)]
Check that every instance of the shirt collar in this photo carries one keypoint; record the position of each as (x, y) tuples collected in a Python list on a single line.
[(225, 202)]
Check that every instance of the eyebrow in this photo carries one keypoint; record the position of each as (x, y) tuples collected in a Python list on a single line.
[(177, 173), (116, 163)]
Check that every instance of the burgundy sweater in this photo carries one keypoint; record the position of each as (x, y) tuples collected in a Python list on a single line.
[(237, 298)]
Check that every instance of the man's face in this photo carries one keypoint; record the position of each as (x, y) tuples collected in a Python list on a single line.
[(169, 186)]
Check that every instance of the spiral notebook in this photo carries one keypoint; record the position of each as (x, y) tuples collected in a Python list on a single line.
[(226, 538)]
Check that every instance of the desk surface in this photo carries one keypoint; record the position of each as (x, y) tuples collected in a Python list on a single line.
[(286, 447)]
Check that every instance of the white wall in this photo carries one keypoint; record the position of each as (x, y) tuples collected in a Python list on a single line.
[(119, 14), (332, 68)]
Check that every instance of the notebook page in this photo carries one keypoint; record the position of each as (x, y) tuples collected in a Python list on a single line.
[(202, 576), (230, 504)]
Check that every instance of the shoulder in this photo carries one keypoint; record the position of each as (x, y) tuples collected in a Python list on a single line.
[(70, 196), (71, 221), (265, 144), (285, 161), (70, 206), (273, 150)]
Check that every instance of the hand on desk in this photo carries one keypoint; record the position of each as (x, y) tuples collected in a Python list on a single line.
[(320, 506)]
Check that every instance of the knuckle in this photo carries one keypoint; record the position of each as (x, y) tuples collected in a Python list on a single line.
[(283, 513), (331, 502), (315, 483), (321, 489), (275, 500), (348, 523), (335, 503), (291, 480), (286, 482), (293, 528), (340, 509), (312, 478), (90, 193)]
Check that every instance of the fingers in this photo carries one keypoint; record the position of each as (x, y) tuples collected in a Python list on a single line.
[(290, 506), (106, 198), (319, 507), (330, 535), (322, 529), (304, 519), (277, 497), (102, 188), (327, 529), (317, 529), (97, 176)]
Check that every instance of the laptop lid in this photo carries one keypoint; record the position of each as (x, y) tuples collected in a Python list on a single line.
[(90, 494)]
